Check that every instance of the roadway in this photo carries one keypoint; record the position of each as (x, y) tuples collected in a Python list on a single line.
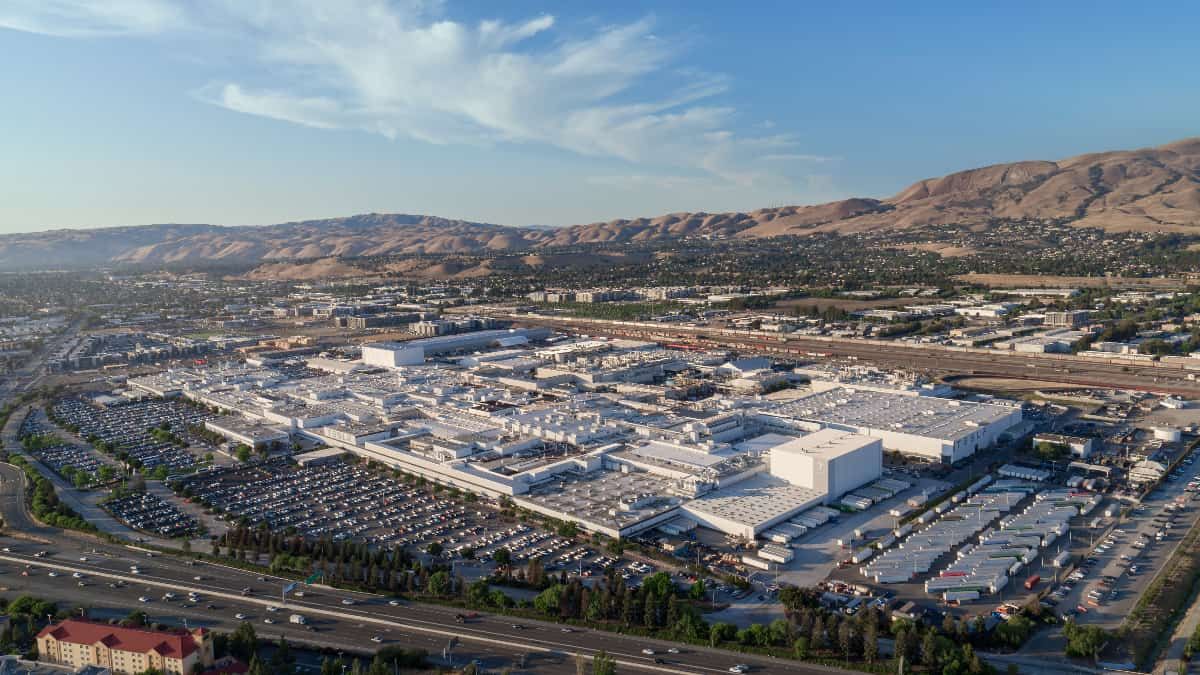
[(339, 619), (493, 638), (1057, 368)]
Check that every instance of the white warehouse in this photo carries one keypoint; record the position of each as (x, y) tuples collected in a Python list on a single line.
[(413, 352), (830, 461), (936, 428)]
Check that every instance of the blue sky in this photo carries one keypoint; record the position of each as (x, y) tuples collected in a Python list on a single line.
[(122, 112)]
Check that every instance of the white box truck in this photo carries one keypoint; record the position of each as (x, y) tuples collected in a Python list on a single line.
[(297, 618)]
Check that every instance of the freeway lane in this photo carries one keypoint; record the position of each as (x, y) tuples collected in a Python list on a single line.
[(104, 602), (325, 605), (1061, 368)]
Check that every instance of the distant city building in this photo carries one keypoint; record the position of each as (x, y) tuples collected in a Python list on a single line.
[(1070, 319)]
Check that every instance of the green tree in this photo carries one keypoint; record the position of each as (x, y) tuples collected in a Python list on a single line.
[(780, 632), (378, 667), (603, 664), (478, 593), (257, 667), (870, 642), (1084, 641), (800, 648), (658, 584), (929, 649), (848, 639), (439, 583), (244, 642), (547, 602), (1015, 631), (721, 632)]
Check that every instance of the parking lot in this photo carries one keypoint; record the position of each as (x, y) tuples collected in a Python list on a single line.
[(1109, 580), (148, 513), (63, 457), (127, 426), (350, 502)]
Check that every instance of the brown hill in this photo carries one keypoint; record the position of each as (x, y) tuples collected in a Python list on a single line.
[(1153, 189)]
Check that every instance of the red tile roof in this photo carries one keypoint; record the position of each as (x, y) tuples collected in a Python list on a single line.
[(174, 644)]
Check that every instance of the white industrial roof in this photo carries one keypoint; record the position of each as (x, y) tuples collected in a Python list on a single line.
[(675, 454), (928, 416), (756, 500), (826, 443)]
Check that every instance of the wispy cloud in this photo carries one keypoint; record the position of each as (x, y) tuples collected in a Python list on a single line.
[(799, 157), (91, 18), (408, 70)]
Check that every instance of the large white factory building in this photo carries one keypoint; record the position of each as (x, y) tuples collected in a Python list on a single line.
[(830, 461)]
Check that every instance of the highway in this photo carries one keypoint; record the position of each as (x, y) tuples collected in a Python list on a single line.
[(339, 619), (493, 638), (940, 359)]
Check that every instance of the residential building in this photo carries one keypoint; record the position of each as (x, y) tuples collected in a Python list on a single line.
[(81, 644)]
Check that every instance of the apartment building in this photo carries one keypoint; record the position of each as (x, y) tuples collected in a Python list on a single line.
[(80, 644)]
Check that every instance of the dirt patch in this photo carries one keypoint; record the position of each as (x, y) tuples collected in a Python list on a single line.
[(1052, 281), (944, 250), (1005, 384)]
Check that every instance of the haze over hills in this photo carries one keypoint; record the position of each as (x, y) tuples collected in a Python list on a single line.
[(1152, 189)]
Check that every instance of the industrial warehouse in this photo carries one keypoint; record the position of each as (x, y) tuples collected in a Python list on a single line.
[(593, 430)]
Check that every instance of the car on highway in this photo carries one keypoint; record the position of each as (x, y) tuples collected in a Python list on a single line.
[(77, 575), (143, 598), (648, 652), (347, 601), (268, 620), (53, 573), (739, 668), (394, 603), (239, 616), (376, 639)]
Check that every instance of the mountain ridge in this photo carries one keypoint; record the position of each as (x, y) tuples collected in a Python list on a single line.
[(1148, 189)]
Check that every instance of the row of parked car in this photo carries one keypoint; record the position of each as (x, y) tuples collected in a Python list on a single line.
[(149, 513), (127, 426), (59, 456)]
